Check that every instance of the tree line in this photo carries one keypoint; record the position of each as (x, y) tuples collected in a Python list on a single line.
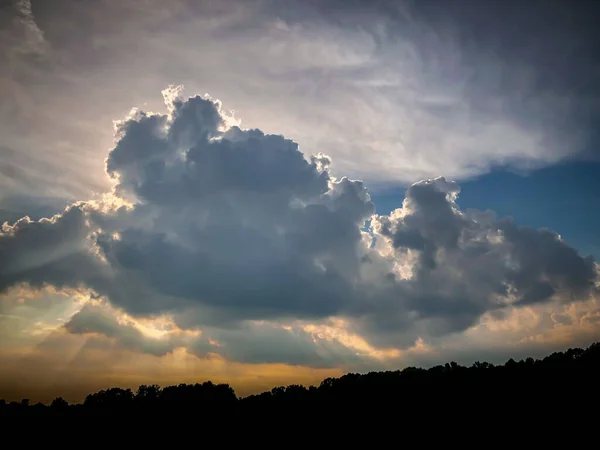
[(561, 382)]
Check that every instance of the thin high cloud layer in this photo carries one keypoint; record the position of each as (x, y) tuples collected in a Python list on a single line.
[(249, 246), (26, 36), (396, 91)]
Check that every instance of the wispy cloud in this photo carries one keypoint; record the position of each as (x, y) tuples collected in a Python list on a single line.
[(34, 41), (393, 94)]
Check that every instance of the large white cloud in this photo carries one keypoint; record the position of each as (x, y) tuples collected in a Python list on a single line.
[(222, 228)]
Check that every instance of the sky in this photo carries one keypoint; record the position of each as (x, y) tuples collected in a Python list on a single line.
[(262, 192)]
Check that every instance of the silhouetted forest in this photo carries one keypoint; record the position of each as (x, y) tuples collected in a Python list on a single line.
[(559, 384)]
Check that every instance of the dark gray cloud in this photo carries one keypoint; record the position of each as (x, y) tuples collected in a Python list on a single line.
[(230, 225), (469, 263), (246, 342), (267, 343), (47, 251), (101, 321), (234, 205)]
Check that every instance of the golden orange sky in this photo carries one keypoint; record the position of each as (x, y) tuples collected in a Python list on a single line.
[(40, 359)]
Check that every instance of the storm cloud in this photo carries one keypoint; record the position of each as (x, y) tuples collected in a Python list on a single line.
[(235, 233)]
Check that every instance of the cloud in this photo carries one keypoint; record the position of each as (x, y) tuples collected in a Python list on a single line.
[(393, 92), (247, 342), (51, 251), (237, 235), (99, 320), (12, 208), (465, 264), (27, 31)]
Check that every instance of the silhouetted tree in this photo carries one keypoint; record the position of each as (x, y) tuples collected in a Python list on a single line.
[(59, 403), (561, 383)]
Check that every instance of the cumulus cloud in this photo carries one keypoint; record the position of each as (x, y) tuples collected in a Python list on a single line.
[(464, 264), (48, 251), (235, 234)]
